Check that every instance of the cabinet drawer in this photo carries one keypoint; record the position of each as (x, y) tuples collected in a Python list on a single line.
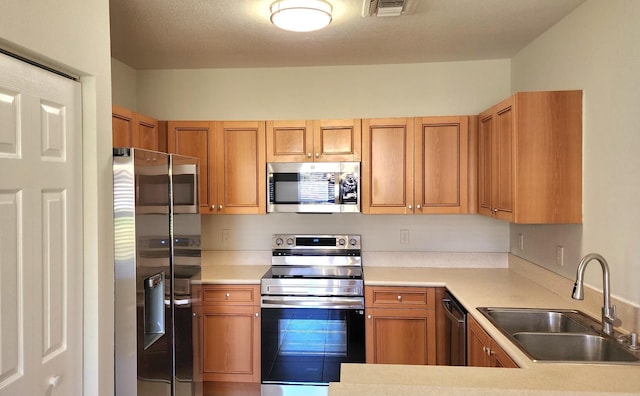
[(229, 294), (407, 297)]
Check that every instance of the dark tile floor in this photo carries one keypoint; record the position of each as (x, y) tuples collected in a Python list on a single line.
[(231, 389)]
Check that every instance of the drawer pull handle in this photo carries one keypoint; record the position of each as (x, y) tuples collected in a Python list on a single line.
[(400, 298)]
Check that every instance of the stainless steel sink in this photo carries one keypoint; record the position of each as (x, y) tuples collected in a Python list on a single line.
[(514, 320), (573, 347), (559, 335)]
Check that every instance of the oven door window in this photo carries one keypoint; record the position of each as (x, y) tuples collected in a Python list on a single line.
[(308, 345)]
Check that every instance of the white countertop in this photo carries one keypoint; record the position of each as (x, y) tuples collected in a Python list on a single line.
[(473, 287)]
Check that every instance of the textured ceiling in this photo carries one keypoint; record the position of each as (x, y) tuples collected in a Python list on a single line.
[(187, 34)]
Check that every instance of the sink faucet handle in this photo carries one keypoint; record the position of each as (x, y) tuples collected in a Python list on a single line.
[(612, 317)]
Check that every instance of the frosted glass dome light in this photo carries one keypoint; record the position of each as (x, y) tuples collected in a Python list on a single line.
[(301, 15)]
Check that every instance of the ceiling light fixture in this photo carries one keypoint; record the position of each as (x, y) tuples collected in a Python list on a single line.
[(301, 15)]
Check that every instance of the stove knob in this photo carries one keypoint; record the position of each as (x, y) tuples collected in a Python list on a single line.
[(279, 242), (353, 242), (289, 241), (341, 242)]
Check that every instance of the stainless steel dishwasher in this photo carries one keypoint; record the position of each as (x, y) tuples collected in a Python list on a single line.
[(455, 331)]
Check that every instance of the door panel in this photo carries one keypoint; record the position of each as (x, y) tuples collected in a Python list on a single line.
[(40, 232)]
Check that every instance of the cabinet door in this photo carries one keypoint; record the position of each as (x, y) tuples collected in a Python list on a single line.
[(499, 357), (441, 164), (478, 343), (400, 336), (290, 141), (503, 161), (485, 165), (195, 139), (123, 126), (387, 166), (230, 336), (337, 140), (146, 133), (241, 167)]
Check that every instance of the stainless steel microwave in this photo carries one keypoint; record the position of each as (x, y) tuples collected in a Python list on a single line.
[(313, 187)]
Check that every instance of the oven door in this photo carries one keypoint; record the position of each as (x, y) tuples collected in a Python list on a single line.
[(304, 344)]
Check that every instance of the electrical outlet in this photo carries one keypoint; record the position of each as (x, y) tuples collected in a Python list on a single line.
[(404, 237), (559, 256), (226, 235), (521, 241)]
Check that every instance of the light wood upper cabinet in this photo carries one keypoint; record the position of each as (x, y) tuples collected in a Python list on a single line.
[(241, 167), (196, 139), (416, 165), (123, 126), (232, 163), (146, 134), (530, 158), (131, 129), (313, 141), (387, 166), (441, 165)]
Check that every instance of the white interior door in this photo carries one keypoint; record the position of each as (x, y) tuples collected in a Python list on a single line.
[(40, 232)]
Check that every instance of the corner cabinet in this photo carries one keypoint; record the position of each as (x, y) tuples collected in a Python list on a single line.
[(314, 141), (400, 325), (230, 333), (530, 158), (417, 166), (232, 163), (482, 350)]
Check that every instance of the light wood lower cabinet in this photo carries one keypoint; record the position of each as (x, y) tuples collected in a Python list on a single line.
[(230, 333), (400, 326), (482, 350)]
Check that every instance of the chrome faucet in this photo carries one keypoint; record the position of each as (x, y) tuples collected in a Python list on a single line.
[(609, 319)]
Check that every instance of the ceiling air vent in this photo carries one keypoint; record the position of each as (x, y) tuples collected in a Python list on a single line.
[(383, 8)]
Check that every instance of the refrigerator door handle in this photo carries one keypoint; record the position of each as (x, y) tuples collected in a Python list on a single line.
[(153, 310)]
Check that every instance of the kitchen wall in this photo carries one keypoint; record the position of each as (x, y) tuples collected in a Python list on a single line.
[(336, 92), (124, 85), (74, 36), (596, 49)]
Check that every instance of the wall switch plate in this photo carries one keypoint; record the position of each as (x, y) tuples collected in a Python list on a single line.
[(559, 256), (404, 237)]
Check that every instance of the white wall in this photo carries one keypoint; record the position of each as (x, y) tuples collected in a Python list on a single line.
[(336, 92), (74, 36), (596, 48), (123, 89), (323, 92)]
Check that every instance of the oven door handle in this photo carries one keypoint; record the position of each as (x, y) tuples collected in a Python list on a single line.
[(312, 302)]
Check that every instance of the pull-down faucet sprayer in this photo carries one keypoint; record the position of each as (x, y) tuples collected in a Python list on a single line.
[(609, 319)]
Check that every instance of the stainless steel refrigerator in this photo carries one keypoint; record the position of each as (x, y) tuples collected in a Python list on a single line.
[(157, 261)]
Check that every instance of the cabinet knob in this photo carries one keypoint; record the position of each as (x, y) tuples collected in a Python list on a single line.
[(368, 316), (410, 206), (317, 155), (213, 207), (417, 206), (400, 298), (227, 295), (220, 207), (257, 314), (308, 155)]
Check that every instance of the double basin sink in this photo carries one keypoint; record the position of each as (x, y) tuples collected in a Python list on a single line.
[(559, 335)]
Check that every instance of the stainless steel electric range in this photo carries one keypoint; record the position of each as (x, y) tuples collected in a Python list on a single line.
[(312, 313)]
